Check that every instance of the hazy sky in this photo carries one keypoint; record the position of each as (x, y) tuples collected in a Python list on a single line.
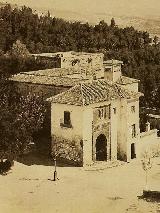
[(118, 7)]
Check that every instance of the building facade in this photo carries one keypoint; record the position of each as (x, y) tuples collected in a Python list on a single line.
[(102, 115), (92, 104)]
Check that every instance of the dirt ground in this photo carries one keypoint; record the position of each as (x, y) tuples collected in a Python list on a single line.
[(30, 189)]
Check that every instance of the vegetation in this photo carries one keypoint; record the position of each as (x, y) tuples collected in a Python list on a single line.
[(148, 159), (20, 118), (23, 31), (146, 165), (141, 55)]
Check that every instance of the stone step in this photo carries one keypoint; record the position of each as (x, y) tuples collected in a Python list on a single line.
[(101, 165)]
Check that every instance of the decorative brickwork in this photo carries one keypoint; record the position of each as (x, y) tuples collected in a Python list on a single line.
[(104, 129)]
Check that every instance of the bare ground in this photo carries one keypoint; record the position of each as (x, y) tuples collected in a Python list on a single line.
[(30, 189)]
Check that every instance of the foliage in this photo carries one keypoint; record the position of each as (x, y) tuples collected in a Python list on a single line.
[(47, 34), (143, 120), (146, 161), (20, 117), (44, 33), (18, 50), (113, 23), (156, 151), (146, 164)]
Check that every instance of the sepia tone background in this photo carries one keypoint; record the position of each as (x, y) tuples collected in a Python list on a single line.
[(115, 7), (141, 14), (29, 188)]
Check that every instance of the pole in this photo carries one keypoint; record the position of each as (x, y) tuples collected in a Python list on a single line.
[(55, 170), (146, 180)]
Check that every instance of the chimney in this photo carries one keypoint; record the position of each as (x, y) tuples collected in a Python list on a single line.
[(112, 70)]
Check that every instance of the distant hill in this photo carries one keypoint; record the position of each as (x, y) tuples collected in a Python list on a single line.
[(144, 23), (150, 24), (2, 4)]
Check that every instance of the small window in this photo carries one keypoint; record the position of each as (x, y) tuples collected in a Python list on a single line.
[(102, 112), (105, 112), (133, 109), (67, 120), (114, 110), (108, 69), (133, 128), (99, 113)]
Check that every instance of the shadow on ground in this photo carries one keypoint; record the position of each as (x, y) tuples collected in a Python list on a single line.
[(35, 158), (150, 199)]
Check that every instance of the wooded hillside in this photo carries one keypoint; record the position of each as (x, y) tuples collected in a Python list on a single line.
[(141, 55)]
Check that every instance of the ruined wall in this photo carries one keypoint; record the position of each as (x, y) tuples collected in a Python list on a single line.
[(86, 64)]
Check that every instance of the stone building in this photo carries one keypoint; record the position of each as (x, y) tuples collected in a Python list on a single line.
[(84, 63), (91, 102)]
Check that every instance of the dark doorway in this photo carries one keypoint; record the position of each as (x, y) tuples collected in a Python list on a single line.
[(101, 148), (133, 154)]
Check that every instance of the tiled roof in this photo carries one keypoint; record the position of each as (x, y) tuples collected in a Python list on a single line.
[(125, 80), (93, 92), (53, 72), (54, 76), (44, 79)]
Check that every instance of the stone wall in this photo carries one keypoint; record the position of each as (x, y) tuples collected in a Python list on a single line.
[(127, 118), (49, 62), (76, 119), (131, 87), (85, 64), (67, 150), (148, 142), (133, 118)]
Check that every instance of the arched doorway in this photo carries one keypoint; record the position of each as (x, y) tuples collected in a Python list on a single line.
[(101, 148), (133, 154)]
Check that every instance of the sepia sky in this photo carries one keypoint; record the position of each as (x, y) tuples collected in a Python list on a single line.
[(115, 7)]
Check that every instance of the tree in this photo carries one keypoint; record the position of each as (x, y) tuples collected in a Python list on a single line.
[(19, 50), (155, 40), (22, 26), (20, 117), (113, 23), (18, 56), (146, 165)]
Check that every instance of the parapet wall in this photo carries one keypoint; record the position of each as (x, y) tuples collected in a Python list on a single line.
[(148, 142)]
